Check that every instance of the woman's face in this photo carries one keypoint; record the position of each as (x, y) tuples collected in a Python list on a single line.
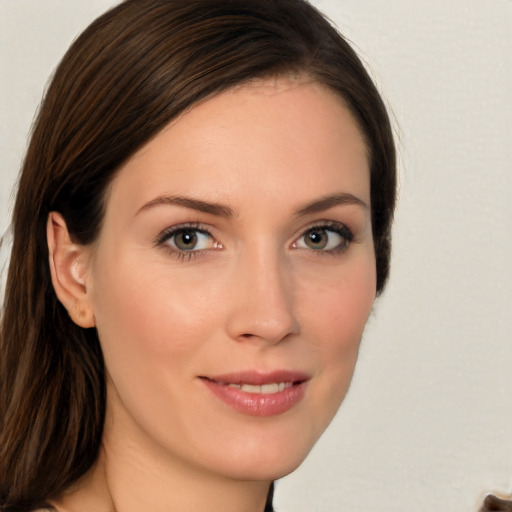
[(232, 280)]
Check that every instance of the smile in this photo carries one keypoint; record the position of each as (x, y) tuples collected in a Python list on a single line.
[(257, 393), (274, 387)]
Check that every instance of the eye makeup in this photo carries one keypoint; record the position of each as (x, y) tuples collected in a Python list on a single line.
[(325, 237), (186, 241), (192, 240)]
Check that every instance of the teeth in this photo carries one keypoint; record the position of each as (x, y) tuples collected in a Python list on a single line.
[(270, 388), (249, 388), (274, 387)]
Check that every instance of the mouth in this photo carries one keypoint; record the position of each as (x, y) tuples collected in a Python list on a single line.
[(259, 393), (274, 387)]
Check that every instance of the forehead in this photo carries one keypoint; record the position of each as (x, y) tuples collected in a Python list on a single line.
[(266, 136)]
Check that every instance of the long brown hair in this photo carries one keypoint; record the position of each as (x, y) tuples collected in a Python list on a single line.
[(127, 76)]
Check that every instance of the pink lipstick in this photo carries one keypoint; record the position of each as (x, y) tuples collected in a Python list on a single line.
[(259, 393)]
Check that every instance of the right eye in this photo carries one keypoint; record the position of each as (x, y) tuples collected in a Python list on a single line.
[(186, 241), (189, 239)]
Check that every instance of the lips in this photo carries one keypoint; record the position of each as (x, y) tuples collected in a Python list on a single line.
[(259, 393)]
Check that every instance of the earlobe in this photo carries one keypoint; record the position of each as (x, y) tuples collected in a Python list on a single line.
[(69, 264)]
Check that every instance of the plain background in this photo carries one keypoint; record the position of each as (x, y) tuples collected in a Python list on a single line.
[(427, 424)]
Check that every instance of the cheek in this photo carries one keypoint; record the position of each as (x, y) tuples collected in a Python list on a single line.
[(146, 315), (337, 313), (338, 304)]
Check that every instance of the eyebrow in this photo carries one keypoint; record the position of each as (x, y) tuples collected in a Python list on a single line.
[(221, 210), (327, 202), (187, 202)]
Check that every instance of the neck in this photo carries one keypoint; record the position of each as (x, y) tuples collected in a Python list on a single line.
[(133, 486), (133, 474), (113, 487)]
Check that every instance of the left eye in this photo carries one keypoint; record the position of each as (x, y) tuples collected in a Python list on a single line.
[(189, 239), (324, 238)]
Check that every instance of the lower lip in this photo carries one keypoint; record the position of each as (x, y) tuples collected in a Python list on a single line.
[(258, 404)]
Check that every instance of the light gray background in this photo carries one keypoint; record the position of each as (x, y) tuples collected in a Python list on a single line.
[(427, 424)]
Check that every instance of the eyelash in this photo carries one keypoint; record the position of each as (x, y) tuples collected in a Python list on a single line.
[(168, 234), (334, 227)]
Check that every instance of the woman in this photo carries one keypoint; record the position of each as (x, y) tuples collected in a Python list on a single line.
[(201, 228)]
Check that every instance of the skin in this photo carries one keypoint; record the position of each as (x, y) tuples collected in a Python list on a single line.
[(252, 296)]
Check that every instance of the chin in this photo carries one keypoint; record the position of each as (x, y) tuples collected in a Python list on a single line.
[(266, 459), (273, 468)]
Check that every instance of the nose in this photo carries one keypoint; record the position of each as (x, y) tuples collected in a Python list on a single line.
[(262, 300)]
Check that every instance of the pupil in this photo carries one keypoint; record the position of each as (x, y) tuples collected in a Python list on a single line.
[(186, 240), (317, 239)]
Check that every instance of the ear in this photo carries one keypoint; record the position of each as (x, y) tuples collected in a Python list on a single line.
[(69, 264)]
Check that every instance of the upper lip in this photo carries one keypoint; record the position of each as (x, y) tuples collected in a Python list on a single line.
[(259, 378)]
